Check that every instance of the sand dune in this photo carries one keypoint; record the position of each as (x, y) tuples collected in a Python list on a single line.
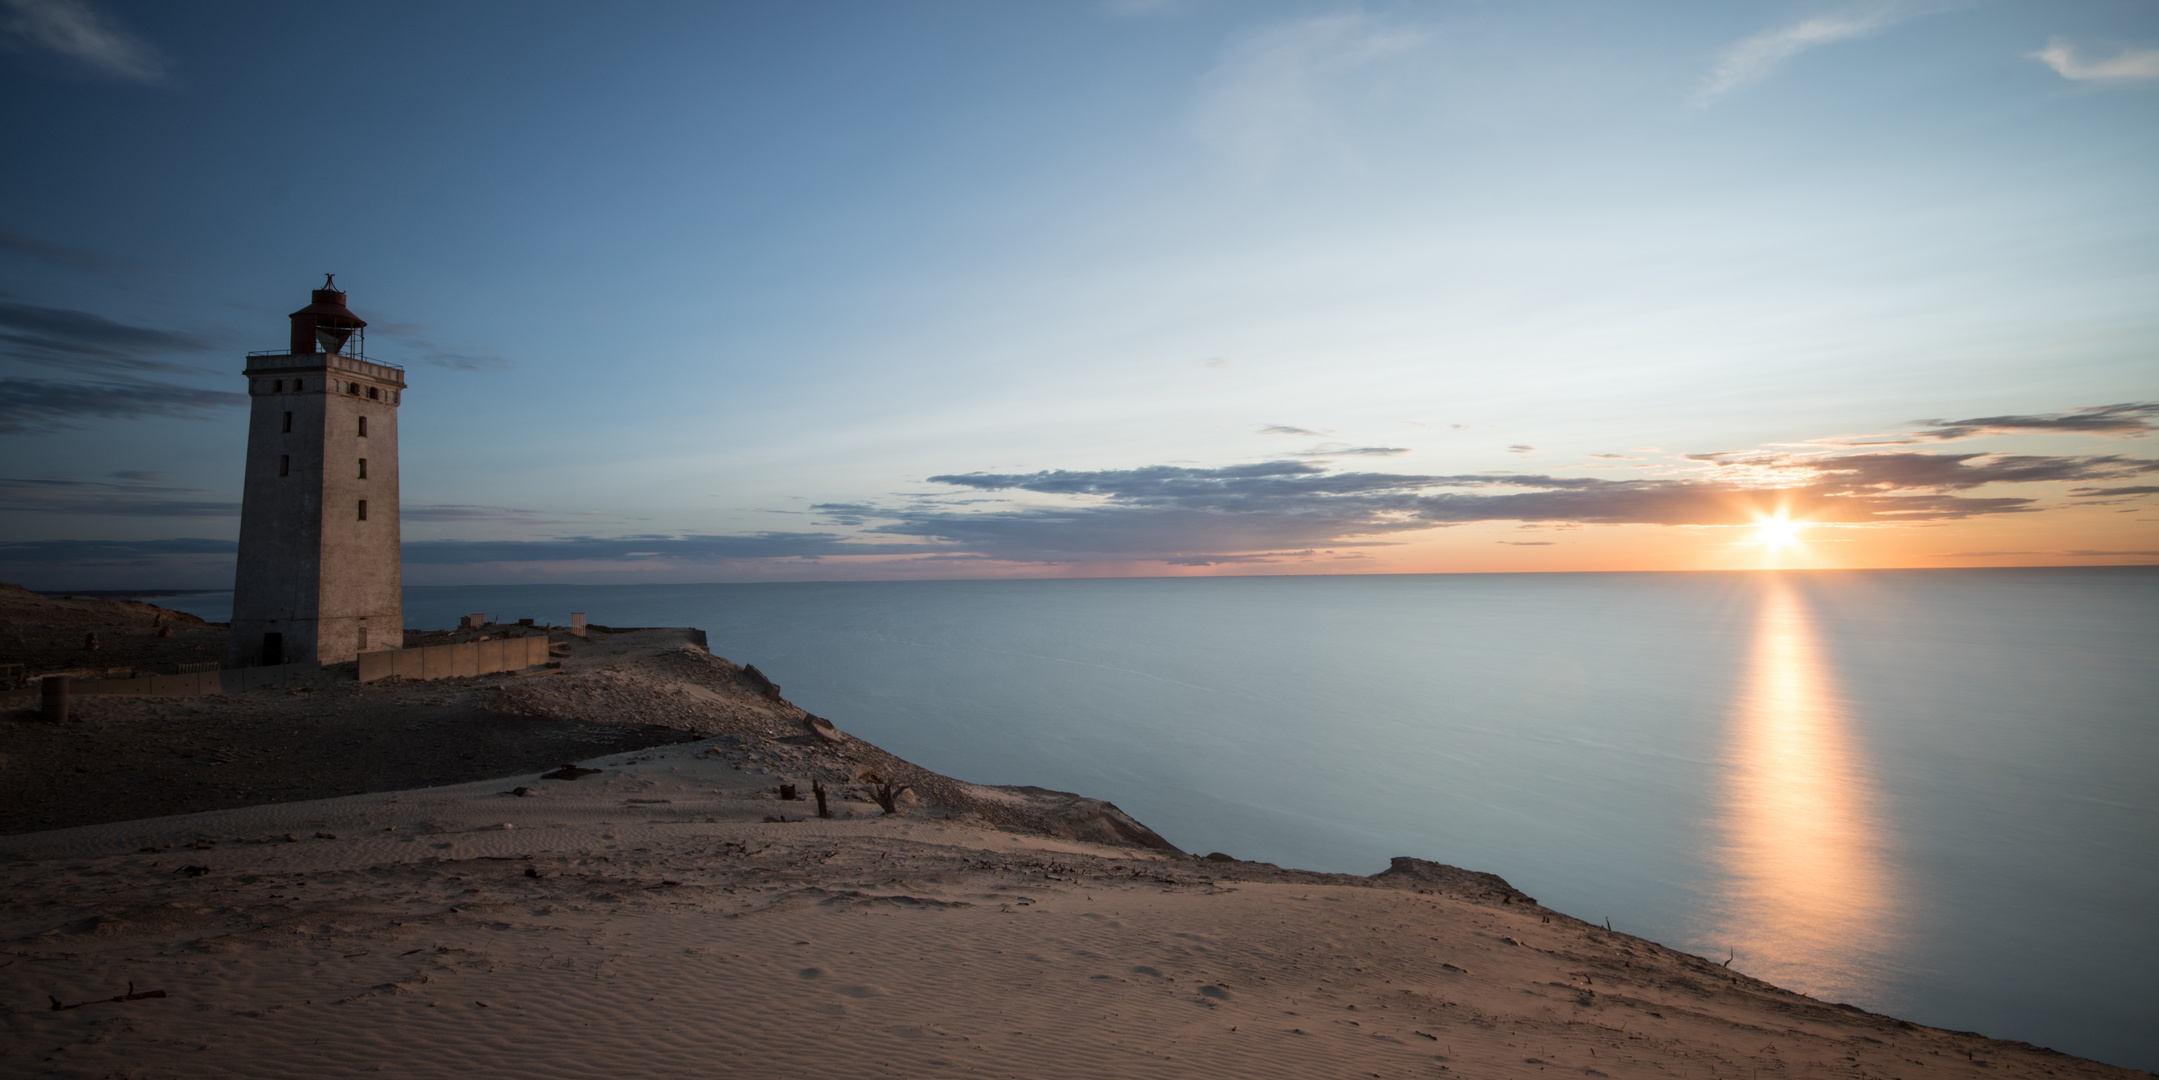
[(648, 920), (669, 915)]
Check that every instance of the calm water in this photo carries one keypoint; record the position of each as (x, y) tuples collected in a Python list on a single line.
[(1930, 793)]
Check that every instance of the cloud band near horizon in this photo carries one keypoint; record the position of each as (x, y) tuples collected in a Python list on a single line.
[(1236, 514)]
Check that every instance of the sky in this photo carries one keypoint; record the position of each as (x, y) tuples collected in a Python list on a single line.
[(810, 291)]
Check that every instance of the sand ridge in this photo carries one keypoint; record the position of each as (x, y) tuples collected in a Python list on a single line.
[(378, 879), (648, 920)]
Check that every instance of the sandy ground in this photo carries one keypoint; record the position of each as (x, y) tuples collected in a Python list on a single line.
[(325, 914), (49, 633), (649, 920)]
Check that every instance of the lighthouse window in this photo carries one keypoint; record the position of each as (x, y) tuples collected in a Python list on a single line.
[(363, 468), (288, 423), (284, 464), (352, 388), (363, 509), (278, 386), (363, 427), (371, 393)]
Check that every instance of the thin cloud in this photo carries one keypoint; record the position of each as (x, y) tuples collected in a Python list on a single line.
[(1253, 513), (1753, 59), (31, 406), (75, 31), (121, 495), (1957, 472), (55, 565), (52, 551), (2090, 493), (1346, 450), (482, 360), (433, 512), (1164, 512), (1143, 8), (1521, 448), (1238, 560), (689, 549), (2069, 552), (415, 341), (1267, 97), (64, 337), (1285, 429), (2128, 65), (2128, 420), (15, 242)]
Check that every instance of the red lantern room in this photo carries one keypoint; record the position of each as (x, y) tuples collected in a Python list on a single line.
[(328, 323)]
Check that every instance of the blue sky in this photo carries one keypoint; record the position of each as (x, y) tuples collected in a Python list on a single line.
[(773, 292)]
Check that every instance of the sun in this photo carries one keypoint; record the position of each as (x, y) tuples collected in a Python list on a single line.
[(1777, 533)]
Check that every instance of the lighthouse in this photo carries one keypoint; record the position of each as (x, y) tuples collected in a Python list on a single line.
[(318, 578)]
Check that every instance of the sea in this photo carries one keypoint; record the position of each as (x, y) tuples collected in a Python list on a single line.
[(1928, 793)]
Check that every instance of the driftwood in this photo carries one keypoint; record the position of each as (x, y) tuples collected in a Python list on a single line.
[(787, 793), (131, 995), (817, 788), (888, 796), (567, 772)]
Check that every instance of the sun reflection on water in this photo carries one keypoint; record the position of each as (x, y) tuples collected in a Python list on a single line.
[(1807, 900)]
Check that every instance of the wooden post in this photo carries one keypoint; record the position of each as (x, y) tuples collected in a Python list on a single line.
[(787, 793), (52, 699), (817, 788)]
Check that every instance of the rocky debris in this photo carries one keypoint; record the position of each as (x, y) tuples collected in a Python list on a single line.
[(765, 686), (1435, 877)]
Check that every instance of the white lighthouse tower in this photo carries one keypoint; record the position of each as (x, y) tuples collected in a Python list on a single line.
[(319, 576)]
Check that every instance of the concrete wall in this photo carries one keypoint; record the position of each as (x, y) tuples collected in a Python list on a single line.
[(228, 681), (434, 662), (309, 569), (455, 661)]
